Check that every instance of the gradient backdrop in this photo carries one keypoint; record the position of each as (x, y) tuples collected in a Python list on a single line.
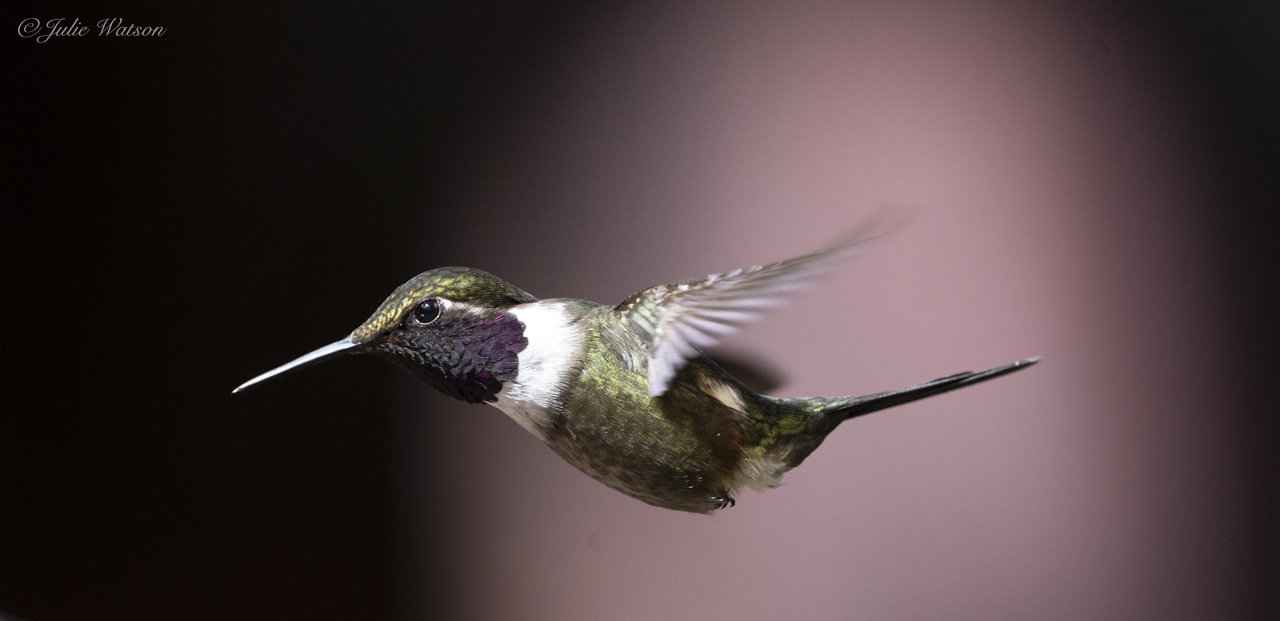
[(1088, 183)]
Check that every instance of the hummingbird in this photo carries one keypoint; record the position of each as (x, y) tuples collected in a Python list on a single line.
[(624, 393)]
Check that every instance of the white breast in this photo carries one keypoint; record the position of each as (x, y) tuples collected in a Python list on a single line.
[(544, 365)]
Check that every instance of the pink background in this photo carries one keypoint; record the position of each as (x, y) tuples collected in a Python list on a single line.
[(1053, 168)]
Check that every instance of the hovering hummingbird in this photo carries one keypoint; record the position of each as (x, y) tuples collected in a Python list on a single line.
[(624, 393)]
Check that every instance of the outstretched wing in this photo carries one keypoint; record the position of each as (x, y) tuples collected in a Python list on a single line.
[(674, 320)]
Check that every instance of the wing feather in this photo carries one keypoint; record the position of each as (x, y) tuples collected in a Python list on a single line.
[(676, 319)]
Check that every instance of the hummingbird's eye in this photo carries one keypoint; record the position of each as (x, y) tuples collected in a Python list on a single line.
[(427, 311)]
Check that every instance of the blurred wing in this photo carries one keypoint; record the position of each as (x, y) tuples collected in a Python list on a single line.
[(675, 320)]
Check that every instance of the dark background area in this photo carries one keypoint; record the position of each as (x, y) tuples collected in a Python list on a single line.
[(182, 213)]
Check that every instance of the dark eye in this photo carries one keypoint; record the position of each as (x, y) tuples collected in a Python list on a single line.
[(427, 311)]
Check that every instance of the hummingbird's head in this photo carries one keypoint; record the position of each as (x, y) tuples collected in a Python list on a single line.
[(448, 326)]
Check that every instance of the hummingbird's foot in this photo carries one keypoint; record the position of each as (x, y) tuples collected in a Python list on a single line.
[(724, 500)]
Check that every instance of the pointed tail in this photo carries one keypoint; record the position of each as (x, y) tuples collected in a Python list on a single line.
[(857, 406), (826, 413)]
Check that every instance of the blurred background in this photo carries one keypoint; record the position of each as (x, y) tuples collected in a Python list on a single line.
[(1091, 183)]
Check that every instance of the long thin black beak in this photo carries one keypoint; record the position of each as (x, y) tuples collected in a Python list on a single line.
[(326, 352)]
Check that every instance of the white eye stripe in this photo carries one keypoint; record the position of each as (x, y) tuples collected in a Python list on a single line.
[(447, 307), (462, 307)]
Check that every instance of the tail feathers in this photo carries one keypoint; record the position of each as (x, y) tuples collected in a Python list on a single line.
[(826, 413), (857, 406)]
